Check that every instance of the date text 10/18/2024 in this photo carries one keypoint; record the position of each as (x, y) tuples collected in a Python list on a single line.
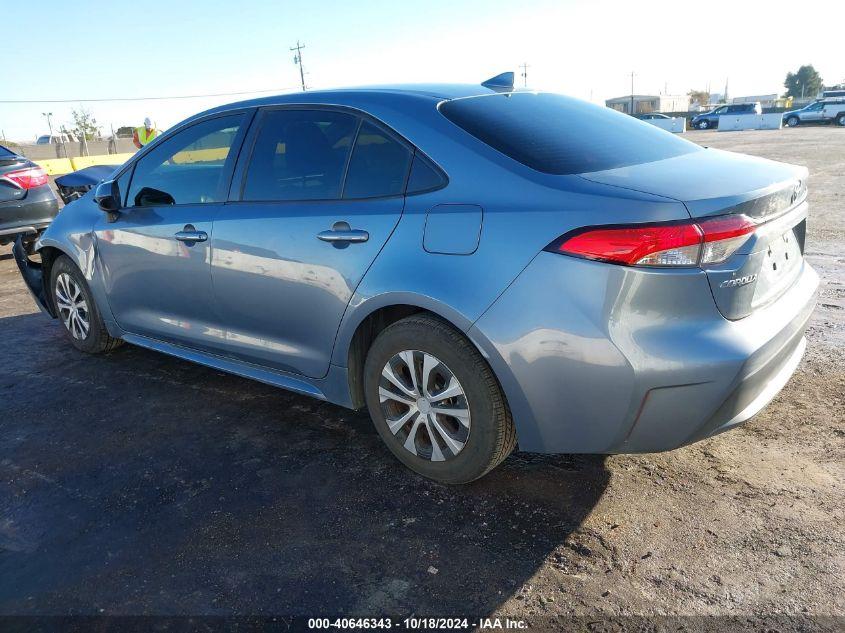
[(418, 624)]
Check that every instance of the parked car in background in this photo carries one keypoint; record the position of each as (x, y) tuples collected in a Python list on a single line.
[(821, 111), (651, 115), (477, 266), (710, 120), (27, 203), (55, 139)]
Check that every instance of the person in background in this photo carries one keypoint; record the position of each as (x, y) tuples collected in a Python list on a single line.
[(145, 134)]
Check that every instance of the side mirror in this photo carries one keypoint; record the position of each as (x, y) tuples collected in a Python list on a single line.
[(149, 197), (107, 196)]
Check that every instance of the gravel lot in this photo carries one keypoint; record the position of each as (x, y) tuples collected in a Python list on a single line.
[(134, 483)]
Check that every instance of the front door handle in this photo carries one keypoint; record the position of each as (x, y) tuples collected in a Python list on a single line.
[(341, 232), (190, 235)]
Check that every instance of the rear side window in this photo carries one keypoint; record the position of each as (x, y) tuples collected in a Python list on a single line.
[(379, 165), (299, 155), (423, 177), (560, 135)]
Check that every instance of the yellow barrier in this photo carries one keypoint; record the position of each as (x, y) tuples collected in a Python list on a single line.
[(216, 154), (61, 166), (55, 166), (82, 162)]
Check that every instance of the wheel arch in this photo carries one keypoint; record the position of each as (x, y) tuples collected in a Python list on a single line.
[(49, 254), (361, 327)]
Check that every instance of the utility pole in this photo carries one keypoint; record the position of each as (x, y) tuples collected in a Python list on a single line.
[(632, 94), (49, 123), (297, 59), (524, 67)]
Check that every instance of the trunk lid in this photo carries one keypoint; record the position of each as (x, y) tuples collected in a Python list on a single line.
[(714, 182)]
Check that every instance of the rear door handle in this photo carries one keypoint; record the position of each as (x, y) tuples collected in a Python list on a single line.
[(190, 235), (341, 232)]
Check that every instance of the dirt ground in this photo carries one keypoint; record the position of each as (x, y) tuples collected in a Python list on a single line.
[(134, 483)]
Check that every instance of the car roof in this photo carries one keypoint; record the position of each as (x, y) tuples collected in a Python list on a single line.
[(358, 95)]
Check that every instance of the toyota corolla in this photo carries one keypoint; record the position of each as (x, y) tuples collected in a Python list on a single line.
[(479, 267)]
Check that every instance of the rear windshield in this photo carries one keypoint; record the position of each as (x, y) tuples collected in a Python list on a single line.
[(6, 152), (560, 135)]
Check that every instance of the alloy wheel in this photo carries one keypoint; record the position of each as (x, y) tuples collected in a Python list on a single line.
[(424, 405), (73, 309)]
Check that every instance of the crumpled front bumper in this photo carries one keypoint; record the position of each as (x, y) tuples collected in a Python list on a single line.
[(32, 273)]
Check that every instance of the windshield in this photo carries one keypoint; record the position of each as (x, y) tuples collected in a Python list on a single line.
[(561, 135)]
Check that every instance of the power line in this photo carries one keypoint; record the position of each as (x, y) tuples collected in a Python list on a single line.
[(215, 94)]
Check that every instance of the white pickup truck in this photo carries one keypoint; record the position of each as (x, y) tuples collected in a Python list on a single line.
[(821, 111)]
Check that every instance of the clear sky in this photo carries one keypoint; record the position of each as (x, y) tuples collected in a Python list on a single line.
[(89, 49)]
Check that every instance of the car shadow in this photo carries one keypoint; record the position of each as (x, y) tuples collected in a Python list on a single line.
[(137, 483)]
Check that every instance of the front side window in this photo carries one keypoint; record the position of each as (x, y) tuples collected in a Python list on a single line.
[(191, 167), (379, 165), (299, 155), (560, 135)]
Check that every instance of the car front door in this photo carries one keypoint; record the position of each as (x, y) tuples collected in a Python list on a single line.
[(155, 253), (321, 191), (812, 112)]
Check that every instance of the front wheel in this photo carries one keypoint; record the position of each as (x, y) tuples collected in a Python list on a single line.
[(76, 309), (792, 121), (703, 125), (435, 401)]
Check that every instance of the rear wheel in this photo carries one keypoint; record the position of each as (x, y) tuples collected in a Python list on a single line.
[(435, 401), (76, 309), (840, 120), (792, 121)]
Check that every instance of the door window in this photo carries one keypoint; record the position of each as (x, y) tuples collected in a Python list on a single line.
[(299, 155), (191, 167), (379, 165)]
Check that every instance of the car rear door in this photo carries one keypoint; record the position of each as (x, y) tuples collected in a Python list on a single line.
[(314, 200), (155, 255)]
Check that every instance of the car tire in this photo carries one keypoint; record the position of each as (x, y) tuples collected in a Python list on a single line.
[(792, 121), (451, 450), (840, 120), (703, 125), (77, 310)]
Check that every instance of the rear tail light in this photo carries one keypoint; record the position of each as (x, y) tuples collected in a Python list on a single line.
[(28, 178), (707, 241)]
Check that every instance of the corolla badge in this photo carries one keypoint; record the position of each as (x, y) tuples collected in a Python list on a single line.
[(738, 281)]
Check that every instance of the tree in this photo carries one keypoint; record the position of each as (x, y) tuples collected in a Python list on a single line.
[(804, 83), (85, 124), (701, 97)]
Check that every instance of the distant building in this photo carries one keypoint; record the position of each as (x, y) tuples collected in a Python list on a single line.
[(650, 103), (766, 101)]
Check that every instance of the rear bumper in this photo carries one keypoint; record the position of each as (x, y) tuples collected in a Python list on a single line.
[(606, 359), (33, 212)]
